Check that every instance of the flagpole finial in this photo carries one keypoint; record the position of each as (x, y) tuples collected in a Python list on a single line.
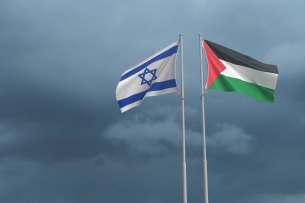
[(181, 34), (199, 34)]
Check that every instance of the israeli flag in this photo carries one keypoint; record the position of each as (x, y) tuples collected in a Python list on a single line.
[(152, 77)]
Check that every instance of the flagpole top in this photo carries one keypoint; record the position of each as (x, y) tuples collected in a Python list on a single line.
[(181, 34), (199, 34)]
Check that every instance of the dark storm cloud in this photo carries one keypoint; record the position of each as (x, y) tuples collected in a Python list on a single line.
[(63, 138), (51, 118)]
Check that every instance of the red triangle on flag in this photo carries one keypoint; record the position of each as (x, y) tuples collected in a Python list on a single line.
[(215, 67)]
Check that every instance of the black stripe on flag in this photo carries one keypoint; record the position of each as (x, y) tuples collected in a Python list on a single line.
[(237, 58)]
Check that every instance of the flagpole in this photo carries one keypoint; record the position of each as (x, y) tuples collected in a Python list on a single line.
[(183, 122), (203, 91)]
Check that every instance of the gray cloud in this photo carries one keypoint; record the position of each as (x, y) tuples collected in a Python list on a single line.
[(63, 138), (231, 139)]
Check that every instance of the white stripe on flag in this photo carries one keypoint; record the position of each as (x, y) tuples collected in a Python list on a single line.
[(246, 74)]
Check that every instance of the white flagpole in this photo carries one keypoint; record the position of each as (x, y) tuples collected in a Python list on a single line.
[(183, 123), (203, 91)]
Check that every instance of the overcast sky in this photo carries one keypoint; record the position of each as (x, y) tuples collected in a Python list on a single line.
[(63, 138)]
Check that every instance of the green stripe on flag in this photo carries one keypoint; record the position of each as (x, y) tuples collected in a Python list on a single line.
[(228, 84)]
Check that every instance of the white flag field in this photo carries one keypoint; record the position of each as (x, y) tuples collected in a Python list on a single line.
[(152, 77)]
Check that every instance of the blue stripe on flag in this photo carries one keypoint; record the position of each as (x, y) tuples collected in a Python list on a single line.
[(163, 85), (163, 55), (155, 87), (131, 99)]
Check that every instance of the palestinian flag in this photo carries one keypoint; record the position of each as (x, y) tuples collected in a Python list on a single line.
[(230, 71)]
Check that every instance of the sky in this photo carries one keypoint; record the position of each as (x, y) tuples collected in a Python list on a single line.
[(63, 138)]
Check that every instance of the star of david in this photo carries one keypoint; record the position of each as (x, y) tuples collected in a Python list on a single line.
[(147, 71)]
